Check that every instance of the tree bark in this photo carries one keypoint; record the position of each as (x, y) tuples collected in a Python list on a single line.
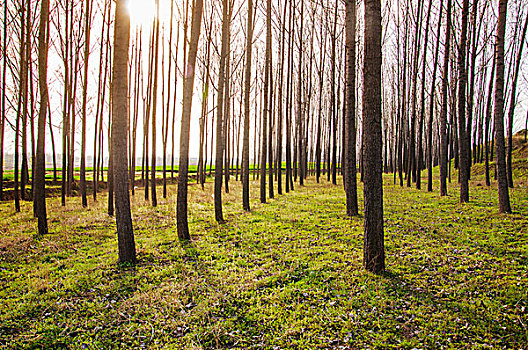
[(513, 100), (125, 231), (502, 177), (463, 143), (350, 116), (220, 144), (154, 196), (87, 22), (443, 113), (247, 101), (374, 251), (264, 141), (181, 208), (39, 175), (431, 105)]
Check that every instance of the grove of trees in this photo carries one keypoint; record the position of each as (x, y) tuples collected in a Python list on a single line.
[(269, 91)]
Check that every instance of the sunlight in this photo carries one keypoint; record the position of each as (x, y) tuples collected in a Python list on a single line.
[(141, 12)]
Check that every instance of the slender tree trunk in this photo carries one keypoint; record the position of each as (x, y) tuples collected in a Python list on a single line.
[(125, 231), (471, 82), (3, 116), (350, 116), (154, 197), (87, 22), (219, 160), (227, 108), (280, 101), (267, 69), (21, 101), (181, 209), (431, 105), (24, 178), (462, 85), (374, 251), (299, 123), (289, 177), (487, 126), (443, 114), (333, 114), (247, 102), (502, 177), (39, 175), (419, 156), (513, 100), (411, 159)]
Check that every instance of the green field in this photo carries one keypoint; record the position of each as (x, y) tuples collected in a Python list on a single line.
[(288, 275)]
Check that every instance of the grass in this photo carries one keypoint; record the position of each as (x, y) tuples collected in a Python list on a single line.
[(288, 275)]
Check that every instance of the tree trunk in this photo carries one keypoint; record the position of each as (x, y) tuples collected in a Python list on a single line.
[(487, 124), (419, 156), (247, 101), (39, 175), (431, 105), (350, 116), (125, 231), (502, 177), (87, 22), (463, 143), (443, 113), (264, 141), (374, 251), (3, 119), (513, 100), (219, 156), (154, 159), (181, 208)]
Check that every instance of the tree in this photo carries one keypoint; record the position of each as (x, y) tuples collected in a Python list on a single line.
[(513, 100), (154, 110), (119, 94), (350, 116), (87, 22), (431, 105), (443, 113), (502, 177), (247, 101), (374, 250), (267, 72), (462, 135), (188, 86), (419, 154), (220, 141), (3, 116), (39, 176)]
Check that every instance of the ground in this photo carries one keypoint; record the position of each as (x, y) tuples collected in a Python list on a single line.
[(288, 275)]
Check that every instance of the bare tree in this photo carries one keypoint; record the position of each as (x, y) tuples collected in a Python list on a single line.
[(443, 113), (125, 230), (374, 250), (502, 177), (350, 116), (462, 84), (87, 23), (513, 102), (39, 176), (247, 102), (220, 141), (181, 210)]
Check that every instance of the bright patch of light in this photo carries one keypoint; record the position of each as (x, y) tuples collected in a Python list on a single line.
[(142, 12)]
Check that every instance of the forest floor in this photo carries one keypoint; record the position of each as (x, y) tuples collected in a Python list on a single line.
[(288, 275)]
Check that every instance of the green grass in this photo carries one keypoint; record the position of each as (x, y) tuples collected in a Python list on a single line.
[(288, 275)]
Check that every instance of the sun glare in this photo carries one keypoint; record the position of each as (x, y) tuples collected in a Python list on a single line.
[(141, 12)]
